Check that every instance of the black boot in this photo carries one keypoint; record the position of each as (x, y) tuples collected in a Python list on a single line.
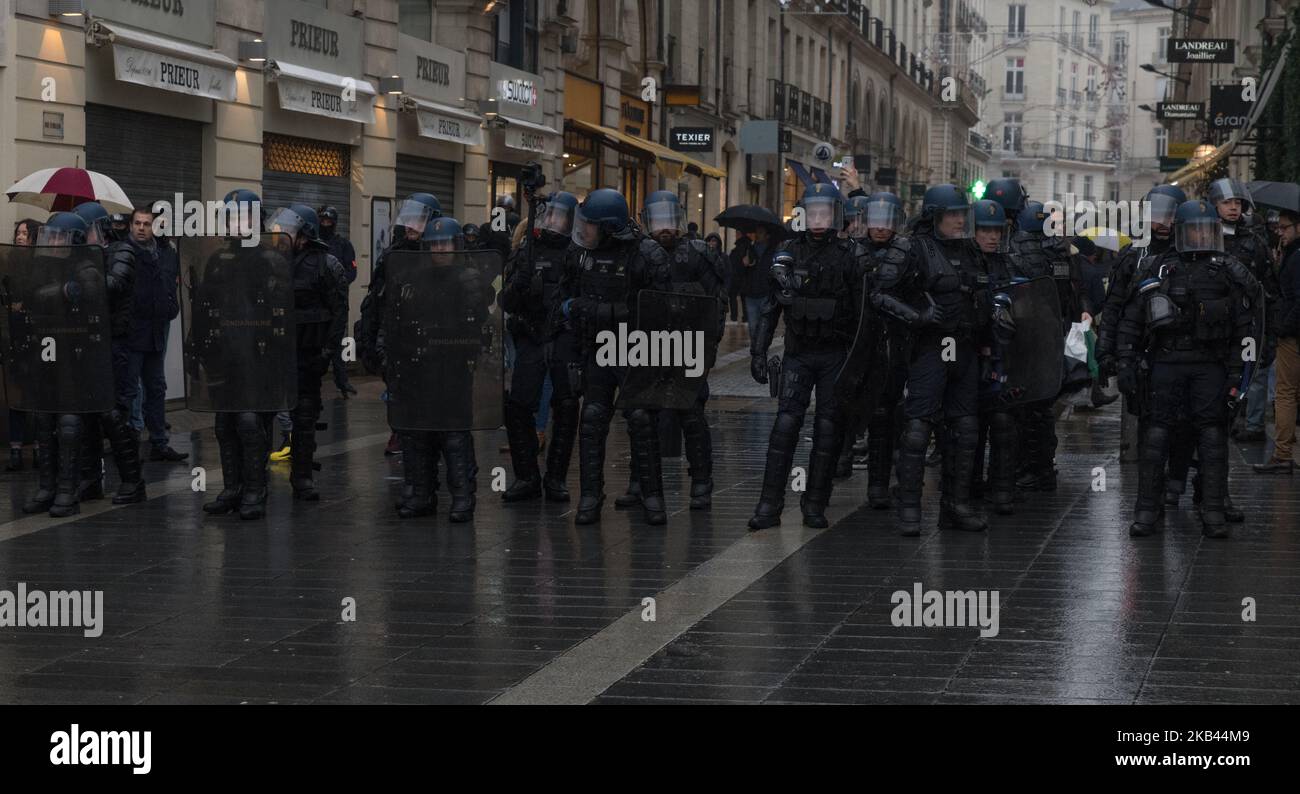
[(419, 497), (955, 508), (1212, 441), (520, 424), (592, 433), (126, 455), (232, 466), (559, 449), (914, 444), (462, 472), (827, 445), (880, 459), (844, 461), (699, 457), (303, 443), (255, 450), (1002, 462), (46, 464), (92, 459), (1154, 446), (68, 479), (644, 427), (780, 457)]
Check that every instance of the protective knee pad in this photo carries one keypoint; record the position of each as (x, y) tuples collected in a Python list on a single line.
[(1212, 443), (643, 427), (699, 443), (1151, 468), (914, 442)]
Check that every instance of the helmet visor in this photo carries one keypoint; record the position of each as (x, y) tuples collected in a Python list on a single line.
[(883, 215), (288, 222), (823, 213), (1200, 234), (1225, 189), (51, 236), (858, 226), (586, 233), (953, 224), (556, 218), (662, 216), (414, 215), (1162, 208)]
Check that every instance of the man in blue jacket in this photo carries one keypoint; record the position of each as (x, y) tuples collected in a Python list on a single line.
[(154, 305)]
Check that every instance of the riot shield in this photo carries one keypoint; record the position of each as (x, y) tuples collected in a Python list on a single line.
[(239, 331), (443, 340), (668, 356), (56, 338), (1032, 364), (866, 349)]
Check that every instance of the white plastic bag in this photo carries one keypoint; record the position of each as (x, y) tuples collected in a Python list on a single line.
[(1076, 346)]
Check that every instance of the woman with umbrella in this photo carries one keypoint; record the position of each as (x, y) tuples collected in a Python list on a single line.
[(752, 260)]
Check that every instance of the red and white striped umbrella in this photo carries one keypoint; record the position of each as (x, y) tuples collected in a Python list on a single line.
[(61, 189)]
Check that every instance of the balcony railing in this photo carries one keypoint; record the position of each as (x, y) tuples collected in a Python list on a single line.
[(980, 142), (1084, 154), (792, 105), (1060, 96)]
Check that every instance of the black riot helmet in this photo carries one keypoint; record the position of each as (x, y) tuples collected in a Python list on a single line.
[(298, 220), (1164, 201), (948, 211), (601, 216), (1009, 193), (414, 214), (241, 203), (823, 210), (555, 218), (63, 228), (1197, 228), (990, 215), (662, 215), (99, 228)]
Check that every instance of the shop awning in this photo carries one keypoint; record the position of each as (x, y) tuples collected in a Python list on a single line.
[(320, 93), (445, 122), (529, 137), (145, 59), (669, 163)]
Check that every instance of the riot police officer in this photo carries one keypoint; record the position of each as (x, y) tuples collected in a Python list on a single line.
[(817, 285), (320, 309), (243, 437), (877, 227), (942, 297), (1188, 316), (997, 428), (65, 472), (598, 294), (693, 270), (1034, 254), (415, 213), (531, 296)]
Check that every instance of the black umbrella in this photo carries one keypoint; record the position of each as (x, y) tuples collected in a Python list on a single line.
[(747, 217), (1278, 195)]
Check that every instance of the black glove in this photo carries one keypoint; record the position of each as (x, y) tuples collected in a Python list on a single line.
[(758, 368), (1127, 380), (934, 314)]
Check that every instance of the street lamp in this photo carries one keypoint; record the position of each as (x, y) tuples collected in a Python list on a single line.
[(65, 8), (1146, 67), (1147, 108), (391, 85), (253, 51)]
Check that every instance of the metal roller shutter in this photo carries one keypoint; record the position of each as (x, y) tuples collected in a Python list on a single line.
[(302, 171), (151, 157), (422, 175)]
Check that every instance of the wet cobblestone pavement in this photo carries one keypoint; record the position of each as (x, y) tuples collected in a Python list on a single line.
[(523, 606)]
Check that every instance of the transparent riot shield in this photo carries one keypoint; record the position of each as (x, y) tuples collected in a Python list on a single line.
[(239, 331), (1032, 364), (443, 335), (669, 353), (56, 338)]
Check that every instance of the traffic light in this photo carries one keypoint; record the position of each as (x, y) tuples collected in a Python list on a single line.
[(977, 189)]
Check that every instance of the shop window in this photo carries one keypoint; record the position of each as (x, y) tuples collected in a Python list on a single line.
[(516, 33)]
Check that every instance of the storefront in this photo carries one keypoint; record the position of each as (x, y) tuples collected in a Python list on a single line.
[(517, 130), (151, 79), (316, 106), (583, 161), (435, 127)]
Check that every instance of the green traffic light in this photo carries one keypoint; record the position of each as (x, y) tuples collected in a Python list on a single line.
[(977, 189)]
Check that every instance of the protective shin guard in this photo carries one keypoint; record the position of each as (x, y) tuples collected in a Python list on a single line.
[(1213, 444), (780, 457), (956, 510), (592, 432), (644, 428), (418, 497), (1154, 446), (302, 465), (699, 456), (559, 449), (880, 459), (462, 472), (520, 424), (232, 465), (68, 479), (255, 450), (1002, 462), (126, 454), (914, 444), (47, 464), (826, 446)]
